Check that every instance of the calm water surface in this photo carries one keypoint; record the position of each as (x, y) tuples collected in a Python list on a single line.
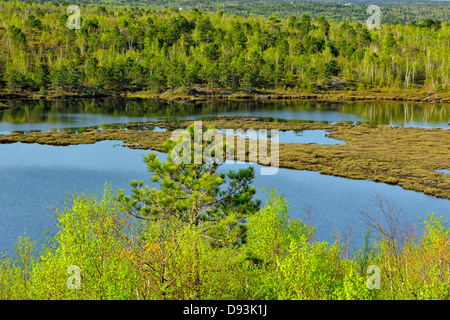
[(290, 136), (34, 177), (54, 115)]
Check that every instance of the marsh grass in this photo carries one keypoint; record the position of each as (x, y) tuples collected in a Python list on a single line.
[(404, 156)]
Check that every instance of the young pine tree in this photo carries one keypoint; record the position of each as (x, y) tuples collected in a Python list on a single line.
[(195, 194)]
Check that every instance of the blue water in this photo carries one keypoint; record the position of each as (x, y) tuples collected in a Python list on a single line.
[(67, 121), (34, 177), (318, 115), (290, 136), (24, 115)]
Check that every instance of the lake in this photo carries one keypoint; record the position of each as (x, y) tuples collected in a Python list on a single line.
[(24, 115), (34, 177)]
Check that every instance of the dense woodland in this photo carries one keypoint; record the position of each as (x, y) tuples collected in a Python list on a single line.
[(137, 49), (394, 12)]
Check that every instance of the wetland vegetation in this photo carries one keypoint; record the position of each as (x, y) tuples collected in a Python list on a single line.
[(195, 230), (405, 156), (169, 243)]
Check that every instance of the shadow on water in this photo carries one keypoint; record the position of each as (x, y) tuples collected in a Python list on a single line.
[(26, 115)]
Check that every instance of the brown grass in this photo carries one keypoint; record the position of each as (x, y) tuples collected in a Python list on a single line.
[(407, 157)]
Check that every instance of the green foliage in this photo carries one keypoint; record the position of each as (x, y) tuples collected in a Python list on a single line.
[(331, 68), (294, 267), (15, 80), (42, 76), (271, 232), (193, 192), (171, 259), (420, 270), (133, 49), (395, 12), (430, 23), (16, 271), (17, 36), (90, 237), (33, 22)]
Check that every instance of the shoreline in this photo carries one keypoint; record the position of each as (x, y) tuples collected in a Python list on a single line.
[(261, 95), (380, 154)]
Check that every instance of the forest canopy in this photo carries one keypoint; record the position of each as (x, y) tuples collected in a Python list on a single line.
[(394, 12), (129, 49)]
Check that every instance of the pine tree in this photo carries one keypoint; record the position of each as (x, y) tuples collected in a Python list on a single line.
[(194, 193), (42, 76)]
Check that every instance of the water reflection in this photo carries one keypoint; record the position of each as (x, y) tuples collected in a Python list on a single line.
[(45, 115)]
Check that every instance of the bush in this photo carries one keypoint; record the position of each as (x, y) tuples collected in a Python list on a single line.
[(90, 237)]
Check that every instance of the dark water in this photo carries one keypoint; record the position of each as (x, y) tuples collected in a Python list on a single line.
[(53, 115), (34, 177)]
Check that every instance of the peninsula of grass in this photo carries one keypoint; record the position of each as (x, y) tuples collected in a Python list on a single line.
[(407, 156)]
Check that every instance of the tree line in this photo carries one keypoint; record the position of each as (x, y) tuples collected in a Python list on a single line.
[(394, 12), (133, 49)]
